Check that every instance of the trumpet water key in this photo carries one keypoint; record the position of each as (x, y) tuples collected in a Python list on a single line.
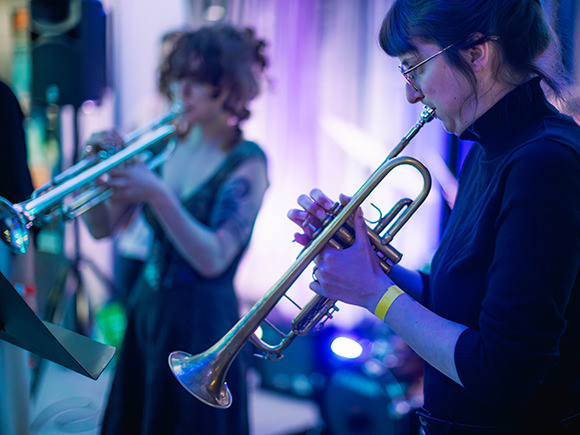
[(78, 182), (204, 374)]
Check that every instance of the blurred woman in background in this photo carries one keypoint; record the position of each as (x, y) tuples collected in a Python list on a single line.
[(202, 207)]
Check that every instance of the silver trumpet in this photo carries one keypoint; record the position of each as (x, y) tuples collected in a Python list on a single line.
[(74, 191), (204, 374)]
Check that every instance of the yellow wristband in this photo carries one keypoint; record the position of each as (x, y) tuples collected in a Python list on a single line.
[(388, 298)]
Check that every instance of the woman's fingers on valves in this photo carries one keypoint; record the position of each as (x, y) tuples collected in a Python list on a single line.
[(308, 204), (321, 200), (315, 209), (344, 199), (297, 216), (301, 218)]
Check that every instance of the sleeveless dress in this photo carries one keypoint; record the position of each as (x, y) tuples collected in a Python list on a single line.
[(175, 308)]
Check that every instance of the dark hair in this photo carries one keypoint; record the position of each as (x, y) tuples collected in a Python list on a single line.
[(222, 56), (518, 27)]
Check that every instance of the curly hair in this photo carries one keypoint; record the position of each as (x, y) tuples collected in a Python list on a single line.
[(222, 56)]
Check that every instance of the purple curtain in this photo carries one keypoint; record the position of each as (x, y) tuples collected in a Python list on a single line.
[(334, 107)]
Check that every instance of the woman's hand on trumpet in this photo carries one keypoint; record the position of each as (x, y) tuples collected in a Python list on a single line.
[(135, 183), (108, 141), (315, 208), (352, 275), (132, 182)]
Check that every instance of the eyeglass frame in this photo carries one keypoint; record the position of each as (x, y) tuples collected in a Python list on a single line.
[(420, 64), (423, 62)]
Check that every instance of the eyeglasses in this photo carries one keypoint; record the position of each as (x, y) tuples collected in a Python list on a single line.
[(407, 74)]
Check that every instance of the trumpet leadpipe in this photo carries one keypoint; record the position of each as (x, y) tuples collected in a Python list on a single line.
[(35, 207), (48, 200)]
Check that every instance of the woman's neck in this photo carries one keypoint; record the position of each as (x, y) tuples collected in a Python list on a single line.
[(221, 136), (488, 96)]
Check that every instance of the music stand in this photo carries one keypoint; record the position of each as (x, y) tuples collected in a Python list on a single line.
[(21, 327)]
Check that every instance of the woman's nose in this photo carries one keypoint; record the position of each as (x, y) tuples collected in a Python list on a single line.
[(413, 95)]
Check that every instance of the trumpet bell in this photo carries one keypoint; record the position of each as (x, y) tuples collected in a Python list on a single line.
[(202, 376), (14, 231)]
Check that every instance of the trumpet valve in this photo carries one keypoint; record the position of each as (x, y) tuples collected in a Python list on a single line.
[(317, 311)]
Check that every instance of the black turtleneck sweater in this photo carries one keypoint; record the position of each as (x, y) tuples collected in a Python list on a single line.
[(508, 268)]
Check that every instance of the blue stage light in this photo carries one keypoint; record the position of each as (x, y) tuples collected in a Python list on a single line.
[(346, 347)]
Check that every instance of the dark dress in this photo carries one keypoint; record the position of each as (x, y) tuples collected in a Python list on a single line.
[(508, 267), (175, 308)]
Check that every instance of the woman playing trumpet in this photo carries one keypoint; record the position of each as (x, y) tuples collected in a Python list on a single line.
[(202, 207), (497, 320)]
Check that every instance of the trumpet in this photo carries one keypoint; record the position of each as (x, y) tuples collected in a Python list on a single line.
[(204, 374), (48, 201)]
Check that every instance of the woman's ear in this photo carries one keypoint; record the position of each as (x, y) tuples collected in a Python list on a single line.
[(221, 92), (479, 55)]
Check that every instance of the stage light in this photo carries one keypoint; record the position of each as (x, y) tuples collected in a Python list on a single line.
[(214, 10), (215, 13), (346, 347)]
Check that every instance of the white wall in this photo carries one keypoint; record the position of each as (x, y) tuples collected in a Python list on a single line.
[(136, 29)]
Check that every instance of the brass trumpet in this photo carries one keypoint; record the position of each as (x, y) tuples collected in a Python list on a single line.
[(78, 181), (204, 374)]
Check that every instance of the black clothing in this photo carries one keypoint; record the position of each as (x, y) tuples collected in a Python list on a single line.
[(15, 181), (508, 268), (434, 426)]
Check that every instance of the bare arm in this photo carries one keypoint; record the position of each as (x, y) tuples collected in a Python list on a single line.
[(104, 219), (210, 250), (432, 337)]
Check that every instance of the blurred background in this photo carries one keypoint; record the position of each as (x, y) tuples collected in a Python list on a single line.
[(332, 108)]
